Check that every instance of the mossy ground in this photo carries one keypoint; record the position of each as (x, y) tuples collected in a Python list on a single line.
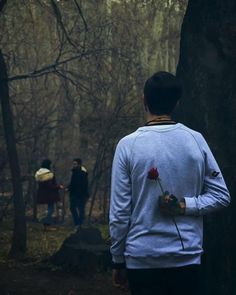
[(34, 275)]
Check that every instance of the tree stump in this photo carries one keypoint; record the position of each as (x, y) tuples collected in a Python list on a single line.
[(84, 251)]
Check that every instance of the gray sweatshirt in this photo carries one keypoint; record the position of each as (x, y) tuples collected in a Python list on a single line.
[(141, 236)]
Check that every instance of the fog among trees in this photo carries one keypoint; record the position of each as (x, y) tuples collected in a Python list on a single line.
[(75, 73)]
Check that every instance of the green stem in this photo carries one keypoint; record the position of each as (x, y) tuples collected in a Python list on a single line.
[(181, 240), (159, 182), (173, 219)]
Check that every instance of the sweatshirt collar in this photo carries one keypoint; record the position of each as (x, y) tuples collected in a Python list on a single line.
[(160, 128)]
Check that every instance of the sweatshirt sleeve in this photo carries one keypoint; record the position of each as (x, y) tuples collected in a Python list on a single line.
[(215, 194), (120, 207)]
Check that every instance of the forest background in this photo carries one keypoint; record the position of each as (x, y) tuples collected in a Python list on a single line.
[(72, 74), (76, 72)]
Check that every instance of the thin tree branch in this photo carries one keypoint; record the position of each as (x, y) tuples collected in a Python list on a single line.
[(81, 14), (50, 68), (60, 22)]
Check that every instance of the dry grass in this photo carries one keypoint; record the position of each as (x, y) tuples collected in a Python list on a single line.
[(40, 243)]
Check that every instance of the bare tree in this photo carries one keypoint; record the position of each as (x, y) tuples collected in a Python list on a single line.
[(18, 247)]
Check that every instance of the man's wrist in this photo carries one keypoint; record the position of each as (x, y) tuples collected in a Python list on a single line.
[(121, 265)]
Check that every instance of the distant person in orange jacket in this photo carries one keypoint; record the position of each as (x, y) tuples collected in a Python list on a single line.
[(48, 189)]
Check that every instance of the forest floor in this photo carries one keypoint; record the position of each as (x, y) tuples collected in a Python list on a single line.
[(31, 280), (35, 276)]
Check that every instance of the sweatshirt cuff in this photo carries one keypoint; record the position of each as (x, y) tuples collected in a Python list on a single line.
[(191, 206), (118, 262), (118, 259)]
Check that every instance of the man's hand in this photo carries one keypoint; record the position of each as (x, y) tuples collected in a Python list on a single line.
[(119, 279), (170, 205)]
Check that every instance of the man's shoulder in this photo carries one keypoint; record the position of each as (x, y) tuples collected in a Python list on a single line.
[(194, 133), (125, 144), (196, 136), (129, 138)]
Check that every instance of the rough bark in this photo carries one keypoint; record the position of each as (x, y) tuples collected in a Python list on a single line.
[(19, 234), (207, 67)]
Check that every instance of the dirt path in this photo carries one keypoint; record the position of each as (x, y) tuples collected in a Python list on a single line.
[(31, 280)]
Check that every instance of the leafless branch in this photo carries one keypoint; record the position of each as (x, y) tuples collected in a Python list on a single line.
[(81, 14), (52, 67), (60, 22)]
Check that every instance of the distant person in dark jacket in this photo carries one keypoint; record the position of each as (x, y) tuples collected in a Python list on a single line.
[(78, 189), (48, 189)]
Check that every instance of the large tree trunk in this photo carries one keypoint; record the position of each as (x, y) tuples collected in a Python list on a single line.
[(19, 235), (207, 67)]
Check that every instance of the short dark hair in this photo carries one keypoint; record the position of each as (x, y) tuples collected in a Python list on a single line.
[(162, 92), (78, 160), (46, 164)]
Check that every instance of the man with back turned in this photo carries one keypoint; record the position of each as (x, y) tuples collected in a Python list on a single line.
[(164, 179)]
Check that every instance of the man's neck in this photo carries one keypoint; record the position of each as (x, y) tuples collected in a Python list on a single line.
[(157, 118)]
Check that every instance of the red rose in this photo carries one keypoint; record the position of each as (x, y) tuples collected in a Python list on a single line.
[(153, 174)]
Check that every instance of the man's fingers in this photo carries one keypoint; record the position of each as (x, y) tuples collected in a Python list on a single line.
[(119, 279), (115, 279)]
